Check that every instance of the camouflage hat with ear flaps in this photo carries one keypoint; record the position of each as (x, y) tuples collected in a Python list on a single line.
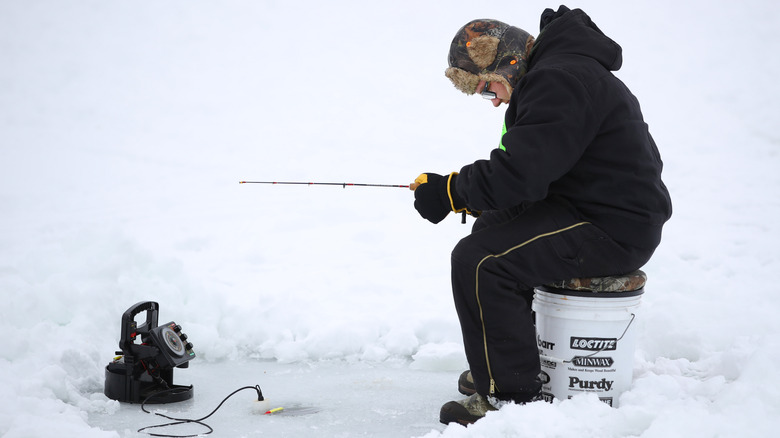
[(488, 50)]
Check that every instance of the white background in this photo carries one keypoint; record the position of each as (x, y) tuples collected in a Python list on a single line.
[(126, 126)]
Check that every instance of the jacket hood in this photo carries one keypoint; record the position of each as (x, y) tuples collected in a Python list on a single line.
[(572, 32)]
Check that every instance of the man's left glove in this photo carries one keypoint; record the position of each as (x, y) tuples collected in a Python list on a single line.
[(435, 196)]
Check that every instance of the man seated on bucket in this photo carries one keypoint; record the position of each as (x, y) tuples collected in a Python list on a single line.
[(573, 190)]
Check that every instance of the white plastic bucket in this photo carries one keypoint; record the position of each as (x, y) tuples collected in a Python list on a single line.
[(586, 342)]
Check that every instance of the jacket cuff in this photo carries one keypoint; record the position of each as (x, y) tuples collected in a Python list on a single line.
[(457, 203)]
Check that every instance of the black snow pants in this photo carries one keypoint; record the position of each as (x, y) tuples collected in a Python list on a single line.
[(494, 271)]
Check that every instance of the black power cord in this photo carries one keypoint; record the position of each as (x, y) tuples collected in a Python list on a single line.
[(199, 421)]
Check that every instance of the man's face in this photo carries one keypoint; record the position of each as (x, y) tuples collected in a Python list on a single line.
[(502, 94)]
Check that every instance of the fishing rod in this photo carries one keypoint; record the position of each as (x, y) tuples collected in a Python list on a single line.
[(413, 186), (343, 185)]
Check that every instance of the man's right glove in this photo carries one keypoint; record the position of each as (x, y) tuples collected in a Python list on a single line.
[(435, 196)]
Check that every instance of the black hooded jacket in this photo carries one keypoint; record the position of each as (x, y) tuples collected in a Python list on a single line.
[(575, 134)]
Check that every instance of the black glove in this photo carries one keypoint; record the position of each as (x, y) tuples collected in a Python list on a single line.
[(435, 196)]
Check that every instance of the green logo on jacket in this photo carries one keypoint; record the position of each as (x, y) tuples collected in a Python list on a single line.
[(501, 140)]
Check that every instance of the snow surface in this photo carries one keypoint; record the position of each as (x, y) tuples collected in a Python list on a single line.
[(126, 126)]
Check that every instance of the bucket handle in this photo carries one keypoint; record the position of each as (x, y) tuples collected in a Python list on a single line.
[(555, 359)]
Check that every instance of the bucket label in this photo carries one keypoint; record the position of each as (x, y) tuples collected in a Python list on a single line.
[(593, 362), (575, 383), (593, 344), (607, 400), (544, 344)]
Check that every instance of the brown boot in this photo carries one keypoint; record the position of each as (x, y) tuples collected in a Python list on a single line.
[(465, 411), (466, 383)]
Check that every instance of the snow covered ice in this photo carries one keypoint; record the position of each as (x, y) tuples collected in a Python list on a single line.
[(126, 126)]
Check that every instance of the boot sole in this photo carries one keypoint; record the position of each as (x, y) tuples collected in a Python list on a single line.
[(465, 390)]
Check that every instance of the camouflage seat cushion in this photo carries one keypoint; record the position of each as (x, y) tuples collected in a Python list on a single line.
[(618, 283)]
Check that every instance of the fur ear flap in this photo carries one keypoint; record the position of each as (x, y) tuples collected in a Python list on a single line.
[(463, 80), (482, 50), (497, 78)]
